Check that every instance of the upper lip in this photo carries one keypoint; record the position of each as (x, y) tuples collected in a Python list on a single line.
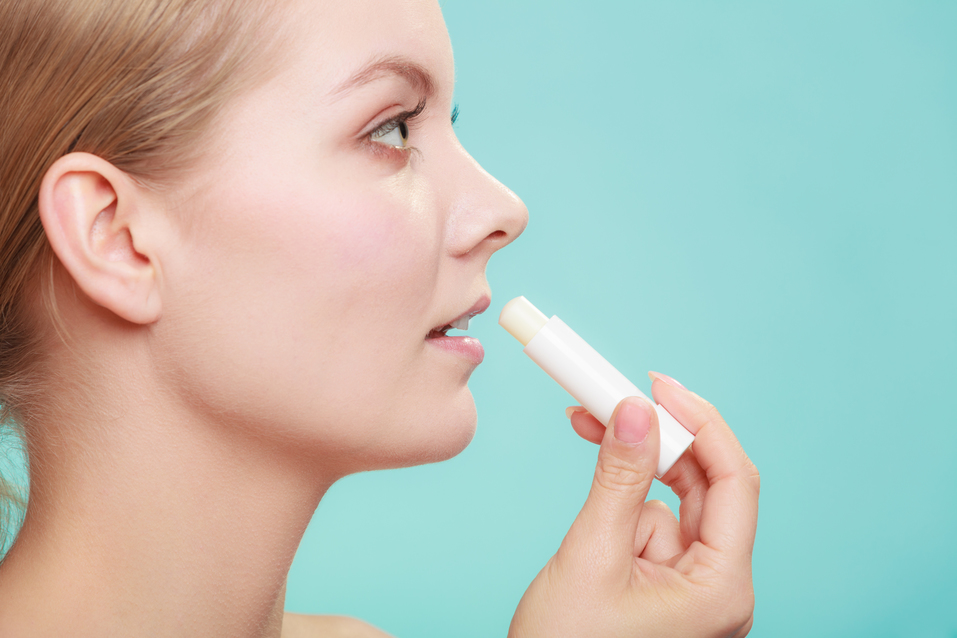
[(477, 308)]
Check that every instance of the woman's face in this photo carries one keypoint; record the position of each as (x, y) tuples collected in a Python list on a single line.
[(336, 224)]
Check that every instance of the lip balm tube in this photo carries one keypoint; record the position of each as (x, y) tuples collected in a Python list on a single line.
[(596, 384)]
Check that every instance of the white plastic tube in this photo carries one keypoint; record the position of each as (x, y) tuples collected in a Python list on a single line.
[(586, 375)]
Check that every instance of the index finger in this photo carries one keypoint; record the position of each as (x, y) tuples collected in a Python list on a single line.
[(729, 513)]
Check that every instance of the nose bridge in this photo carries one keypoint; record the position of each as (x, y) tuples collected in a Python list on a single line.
[(483, 212)]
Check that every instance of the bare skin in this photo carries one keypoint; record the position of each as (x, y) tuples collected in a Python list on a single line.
[(225, 360), (225, 363), (304, 626)]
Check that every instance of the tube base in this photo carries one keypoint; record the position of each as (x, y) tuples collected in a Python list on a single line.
[(674, 440)]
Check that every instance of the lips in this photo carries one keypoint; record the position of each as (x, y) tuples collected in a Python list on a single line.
[(461, 322)]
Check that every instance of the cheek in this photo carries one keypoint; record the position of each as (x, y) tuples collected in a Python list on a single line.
[(373, 259), (379, 245), (309, 307)]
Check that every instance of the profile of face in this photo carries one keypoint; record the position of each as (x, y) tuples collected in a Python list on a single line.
[(334, 224)]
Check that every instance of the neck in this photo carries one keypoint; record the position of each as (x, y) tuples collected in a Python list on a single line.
[(147, 520)]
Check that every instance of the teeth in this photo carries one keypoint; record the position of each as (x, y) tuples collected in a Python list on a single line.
[(461, 324)]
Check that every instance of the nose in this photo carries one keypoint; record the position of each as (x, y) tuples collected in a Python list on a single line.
[(484, 215)]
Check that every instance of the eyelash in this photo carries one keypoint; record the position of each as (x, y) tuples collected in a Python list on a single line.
[(403, 118), (393, 123)]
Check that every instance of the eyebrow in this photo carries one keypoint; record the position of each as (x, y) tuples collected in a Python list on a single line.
[(415, 74)]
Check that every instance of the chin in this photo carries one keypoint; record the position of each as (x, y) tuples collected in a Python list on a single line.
[(459, 437), (439, 436), (459, 429)]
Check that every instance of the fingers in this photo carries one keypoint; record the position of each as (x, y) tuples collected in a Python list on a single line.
[(729, 509), (689, 482), (659, 537), (587, 426), (607, 526)]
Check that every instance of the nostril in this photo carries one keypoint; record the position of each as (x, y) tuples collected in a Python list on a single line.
[(498, 234)]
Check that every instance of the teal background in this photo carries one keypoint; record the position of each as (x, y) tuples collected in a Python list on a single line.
[(759, 199)]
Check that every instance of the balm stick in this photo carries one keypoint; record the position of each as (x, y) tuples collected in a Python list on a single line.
[(585, 374)]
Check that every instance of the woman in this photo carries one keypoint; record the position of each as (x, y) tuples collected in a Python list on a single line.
[(233, 236)]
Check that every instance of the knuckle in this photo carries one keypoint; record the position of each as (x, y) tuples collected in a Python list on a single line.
[(616, 475), (734, 610), (706, 413), (711, 413), (754, 477), (740, 611), (749, 477), (728, 594), (745, 495)]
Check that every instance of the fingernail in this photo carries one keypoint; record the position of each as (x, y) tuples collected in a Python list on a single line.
[(666, 379), (572, 410), (633, 421)]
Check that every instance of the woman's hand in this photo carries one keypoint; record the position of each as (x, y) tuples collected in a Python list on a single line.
[(629, 568)]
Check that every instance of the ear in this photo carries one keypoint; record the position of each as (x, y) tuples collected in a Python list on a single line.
[(91, 212)]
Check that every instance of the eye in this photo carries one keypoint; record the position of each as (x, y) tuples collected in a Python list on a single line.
[(392, 133)]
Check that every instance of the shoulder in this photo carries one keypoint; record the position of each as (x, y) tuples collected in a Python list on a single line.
[(305, 626)]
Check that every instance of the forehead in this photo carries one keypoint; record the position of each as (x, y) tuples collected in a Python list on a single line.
[(329, 43)]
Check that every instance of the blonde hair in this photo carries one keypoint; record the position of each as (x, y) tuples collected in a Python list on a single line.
[(135, 82)]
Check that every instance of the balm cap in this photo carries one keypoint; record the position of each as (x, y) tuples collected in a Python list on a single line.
[(522, 319)]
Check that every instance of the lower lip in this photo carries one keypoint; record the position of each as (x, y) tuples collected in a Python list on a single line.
[(467, 347)]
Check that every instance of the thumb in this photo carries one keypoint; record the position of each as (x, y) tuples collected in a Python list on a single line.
[(608, 522)]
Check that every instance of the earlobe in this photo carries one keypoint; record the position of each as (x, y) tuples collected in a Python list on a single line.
[(90, 211)]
